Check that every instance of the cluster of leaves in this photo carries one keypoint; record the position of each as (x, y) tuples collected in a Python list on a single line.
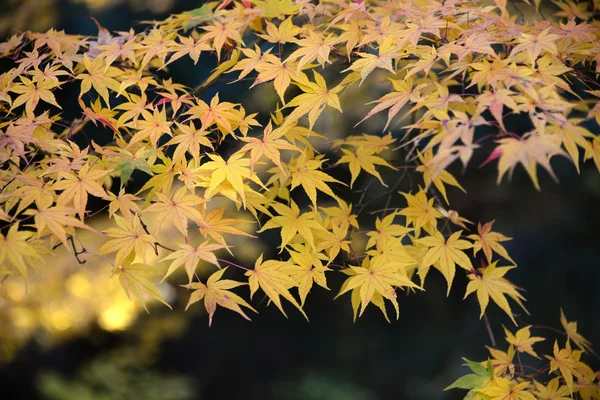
[(504, 377), (454, 66)]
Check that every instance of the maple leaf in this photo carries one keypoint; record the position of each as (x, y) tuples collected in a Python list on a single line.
[(388, 50), (57, 219), (282, 74), (213, 224), (190, 256), (152, 126), (503, 361), (306, 172), (489, 242), (491, 283), (386, 231), (219, 113), (268, 276), (234, 171), (341, 215), (420, 211), (291, 223), (530, 151), (125, 203), (31, 92), (313, 101), (534, 45), (76, 188), (187, 46), (306, 268), (253, 59), (471, 44), (98, 76), (333, 241), (188, 140), (313, 47), (571, 331), (571, 136), (377, 276), (221, 33), (404, 92), (177, 209), (523, 341), (434, 173), (444, 254), (268, 146), (567, 362), (428, 57), (553, 390), (153, 45), (130, 237), (276, 8), (284, 33), (363, 159), (17, 250), (505, 389), (216, 293), (135, 283)]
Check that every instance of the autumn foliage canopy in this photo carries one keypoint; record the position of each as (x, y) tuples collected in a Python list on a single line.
[(460, 73)]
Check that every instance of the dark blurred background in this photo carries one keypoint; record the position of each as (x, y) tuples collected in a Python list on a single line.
[(175, 355)]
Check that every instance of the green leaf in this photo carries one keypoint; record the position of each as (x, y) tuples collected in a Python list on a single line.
[(200, 14), (476, 367), (126, 166), (468, 382)]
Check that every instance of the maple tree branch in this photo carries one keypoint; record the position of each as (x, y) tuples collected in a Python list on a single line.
[(233, 264), (77, 253), (489, 329)]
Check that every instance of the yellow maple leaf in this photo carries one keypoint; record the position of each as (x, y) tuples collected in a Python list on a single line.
[(56, 219), (306, 268), (291, 223), (506, 389), (377, 276), (530, 151), (190, 256), (31, 92), (404, 92), (221, 33), (98, 76), (567, 362), (502, 361), (363, 159), (268, 146), (491, 283), (420, 211), (574, 336), (76, 186), (489, 242), (306, 172), (268, 276), (313, 47), (523, 341), (386, 231), (17, 250), (216, 293), (534, 45), (134, 281), (313, 101), (234, 171), (177, 209), (152, 126), (130, 237), (444, 254)]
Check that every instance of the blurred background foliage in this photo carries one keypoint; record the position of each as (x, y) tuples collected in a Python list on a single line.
[(74, 334)]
